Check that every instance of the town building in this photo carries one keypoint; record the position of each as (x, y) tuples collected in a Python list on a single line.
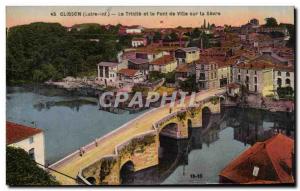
[(150, 54), (139, 64), (107, 73), (255, 75), (129, 77), (184, 71), (268, 162), (281, 29), (134, 29), (28, 138), (164, 64), (284, 76), (224, 74), (207, 74), (187, 55), (137, 42)]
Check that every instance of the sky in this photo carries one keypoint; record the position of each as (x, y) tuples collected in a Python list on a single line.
[(230, 15)]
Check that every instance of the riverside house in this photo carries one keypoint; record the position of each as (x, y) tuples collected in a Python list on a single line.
[(187, 55), (28, 138), (129, 77), (207, 73), (107, 73), (256, 75), (164, 64)]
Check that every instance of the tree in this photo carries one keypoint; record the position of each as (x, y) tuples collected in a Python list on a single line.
[(271, 22), (41, 51), (157, 36), (21, 170), (189, 85), (196, 33)]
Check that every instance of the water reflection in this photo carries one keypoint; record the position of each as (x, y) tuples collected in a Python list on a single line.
[(199, 159), (72, 104)]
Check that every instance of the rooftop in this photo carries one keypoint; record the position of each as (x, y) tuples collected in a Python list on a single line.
[(163, 60), (109, 64), (139, 61), (17, 132), (189, 49), (128, 72), (273, 158), (184, 68)]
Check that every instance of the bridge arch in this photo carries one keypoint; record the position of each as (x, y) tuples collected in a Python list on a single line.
[(127, 172), (190, 126), (206, 112)]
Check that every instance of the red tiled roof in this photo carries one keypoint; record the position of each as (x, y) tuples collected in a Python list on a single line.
[(128, 72), (273, 157), (163, 60), (233, 85), (183, 68), (256, 64), (16, 132)]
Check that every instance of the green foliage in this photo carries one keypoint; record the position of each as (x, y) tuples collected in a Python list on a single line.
[(189, 85), (106, 167), (155, 75), (171, 37), (291, 30), (285, 92), (271, 22), (142, 89), (41, 51), (214, 100), (170, 77), (182, 116), (136, 143), (157, 36), (21, 170)]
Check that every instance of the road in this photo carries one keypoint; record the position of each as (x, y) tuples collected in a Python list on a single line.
[(107, 146)]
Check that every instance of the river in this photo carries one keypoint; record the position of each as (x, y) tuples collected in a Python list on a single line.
[(71, 121)]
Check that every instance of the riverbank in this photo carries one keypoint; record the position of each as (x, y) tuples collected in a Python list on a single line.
[(267, 104)]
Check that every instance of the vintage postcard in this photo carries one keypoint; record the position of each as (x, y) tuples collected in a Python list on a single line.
[(150, 96)]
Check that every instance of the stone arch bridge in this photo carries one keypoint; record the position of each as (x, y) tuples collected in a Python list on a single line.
[(135, 145)]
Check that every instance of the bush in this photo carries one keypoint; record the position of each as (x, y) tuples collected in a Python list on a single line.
[(285, 92), (21, 170)]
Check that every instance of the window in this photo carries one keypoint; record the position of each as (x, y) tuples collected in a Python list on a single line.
[(255, 72), (279, 73), (31, 140), (255, 79), (288, 81), (247, 71), (239, 70), (215, 74), (31, 154), (202, 76), (239, 78), (101, 71), (279, 82), (247, 79), (255, 88), (202, 66), (287, 74)]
